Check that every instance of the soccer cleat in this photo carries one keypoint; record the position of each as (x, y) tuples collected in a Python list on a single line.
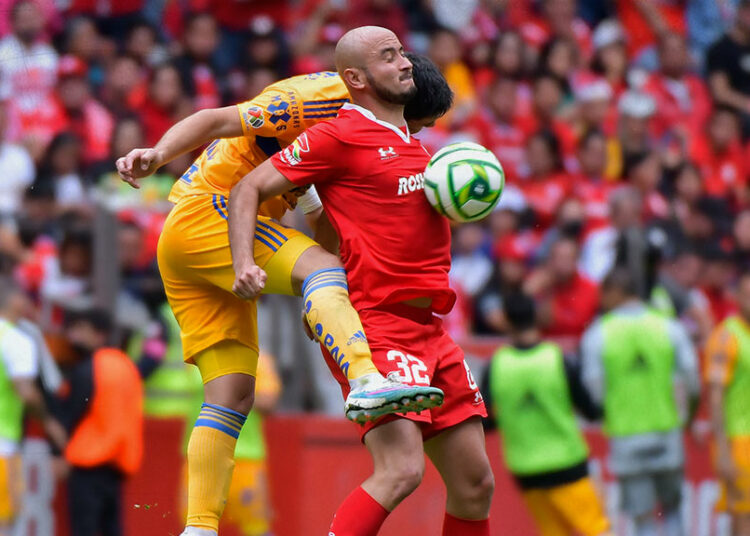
[(376, 396), (196, 531)]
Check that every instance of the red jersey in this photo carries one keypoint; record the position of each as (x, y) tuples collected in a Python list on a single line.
[(506, 141), (723, 172), (370, 176)]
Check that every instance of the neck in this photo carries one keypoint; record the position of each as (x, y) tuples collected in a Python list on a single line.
[(526, 338), (383, 111)]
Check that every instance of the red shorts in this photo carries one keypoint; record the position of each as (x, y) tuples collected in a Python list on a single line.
[(413, 342)]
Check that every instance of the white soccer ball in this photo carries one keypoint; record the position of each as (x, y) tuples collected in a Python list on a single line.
[(464, 181)]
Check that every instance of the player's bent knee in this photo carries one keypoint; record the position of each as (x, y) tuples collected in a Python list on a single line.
[(233, 391), (406, 480)]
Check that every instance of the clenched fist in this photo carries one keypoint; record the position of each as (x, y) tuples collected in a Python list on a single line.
[(249, 281), (137, 164)]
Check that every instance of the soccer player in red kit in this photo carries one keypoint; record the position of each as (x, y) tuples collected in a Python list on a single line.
[(396, 250)]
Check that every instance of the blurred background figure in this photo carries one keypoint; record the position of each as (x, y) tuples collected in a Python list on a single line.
[(103, 412), (727, 373), (533, 395), (630, 358), (20, 396)]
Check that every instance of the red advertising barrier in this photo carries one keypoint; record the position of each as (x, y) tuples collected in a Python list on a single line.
[(314, 462)]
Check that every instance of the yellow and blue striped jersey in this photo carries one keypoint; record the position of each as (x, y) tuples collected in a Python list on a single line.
[(270, 122)]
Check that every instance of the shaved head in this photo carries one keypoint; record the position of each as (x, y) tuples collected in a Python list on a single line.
[(355, 45), (371, 62)]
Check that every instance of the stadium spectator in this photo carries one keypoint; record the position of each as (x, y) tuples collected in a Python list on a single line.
[(629, 359), (103, 412), (726, 372), (567, 299), (81, 113), (718, 153), (60, 171), (445, 51), (166, 103), (533, 391), (18, 173), (683, 103), (727, 78), (634, 134), (471, 268), (20, 395), (590, 185), (28, 71), (196, 65), (124, 88), (610, 60)]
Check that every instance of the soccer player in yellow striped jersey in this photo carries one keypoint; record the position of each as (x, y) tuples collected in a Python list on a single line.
[(219, 328)]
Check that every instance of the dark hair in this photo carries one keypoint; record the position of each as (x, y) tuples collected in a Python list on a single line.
[(589, 135), (620, 279), (520, 310), (550, 139), (434, 97), (97, 318), (633, 160), (77, 236)]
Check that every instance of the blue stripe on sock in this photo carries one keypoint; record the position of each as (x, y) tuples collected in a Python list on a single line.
[(208, 423), (272, 229), (239, 417), (327, 275), (332, 278), (269, 235), (210, 414), (323, 285), (318, 272)]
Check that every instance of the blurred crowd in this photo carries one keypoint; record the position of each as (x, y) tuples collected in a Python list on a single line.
[(622, 127)]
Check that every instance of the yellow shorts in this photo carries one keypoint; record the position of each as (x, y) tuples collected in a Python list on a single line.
[(11, 489), (196, 266), (569, 508), (740, 503)]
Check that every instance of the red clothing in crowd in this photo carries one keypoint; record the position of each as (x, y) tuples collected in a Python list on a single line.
[(573, 307), (721, 303), (722, 172), (544, 195), (640, 35), (594, 195), (105, 8), (530, 124), (685, 103), (506, 141), (537, 32), (93, 127)]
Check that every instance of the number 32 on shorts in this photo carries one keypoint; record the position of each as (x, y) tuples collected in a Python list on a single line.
[(412, 369)]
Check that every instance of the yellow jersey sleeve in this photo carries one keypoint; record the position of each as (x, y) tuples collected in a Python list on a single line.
[(721, 356), (270, 122)]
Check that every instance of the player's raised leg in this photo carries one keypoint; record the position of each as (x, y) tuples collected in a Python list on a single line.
[(469, 484), (398, 466), (320, 278)]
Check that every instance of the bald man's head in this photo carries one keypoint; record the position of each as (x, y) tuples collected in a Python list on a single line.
[(370, 60)]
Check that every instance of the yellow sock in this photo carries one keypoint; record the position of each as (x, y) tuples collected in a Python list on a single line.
[(336, 323), (210, 458)]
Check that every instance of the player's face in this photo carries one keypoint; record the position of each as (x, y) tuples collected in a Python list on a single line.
[(415, 125), (388, 72)]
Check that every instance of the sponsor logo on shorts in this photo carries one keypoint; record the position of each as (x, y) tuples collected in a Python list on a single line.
[(292, 155), (412, 183), (478, 399), (253, 116)]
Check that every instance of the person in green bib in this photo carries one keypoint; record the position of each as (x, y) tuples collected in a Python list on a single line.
[(632, 357), (19, 396), (727, 374), (532, 391)]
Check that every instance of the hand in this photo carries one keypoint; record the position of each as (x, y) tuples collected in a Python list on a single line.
[(306, 327), (249, 281), (55, 432), (60, 468), (137, 164)]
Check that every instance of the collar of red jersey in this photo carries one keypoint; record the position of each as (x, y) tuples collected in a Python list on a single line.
[(369, 115)]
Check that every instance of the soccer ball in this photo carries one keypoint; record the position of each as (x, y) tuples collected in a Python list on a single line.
[(464, 181)]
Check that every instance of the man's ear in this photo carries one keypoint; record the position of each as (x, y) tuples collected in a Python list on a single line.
[(355, 78)]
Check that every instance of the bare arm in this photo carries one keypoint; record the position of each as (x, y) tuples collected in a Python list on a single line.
[(33, 401), (260, 184), (325, 234), (722, 91), (195, 130)]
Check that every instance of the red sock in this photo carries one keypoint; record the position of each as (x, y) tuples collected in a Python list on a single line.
[(453, 526), (358, 515)]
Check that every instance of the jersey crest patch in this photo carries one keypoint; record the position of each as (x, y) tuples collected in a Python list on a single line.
[(253, 116)]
